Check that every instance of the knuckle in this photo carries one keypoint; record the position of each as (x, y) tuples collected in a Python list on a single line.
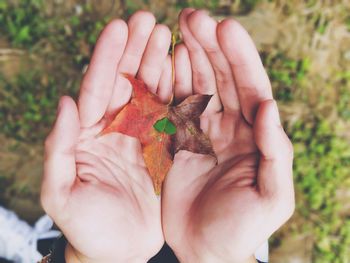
[(284, 206), (116, 23), (290, 209), (288, 206), (47, 142), (228, 24), (181, 49), (49, 200), (49, 146), (163, 29), (287, 211), (289, 148), (45, 200), (144, 14)]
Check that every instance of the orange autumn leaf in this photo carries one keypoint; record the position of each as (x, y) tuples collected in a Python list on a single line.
[(138, 119)]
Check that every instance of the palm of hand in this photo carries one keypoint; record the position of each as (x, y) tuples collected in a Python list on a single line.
[(217, 208), (111, 200), (211, 197)]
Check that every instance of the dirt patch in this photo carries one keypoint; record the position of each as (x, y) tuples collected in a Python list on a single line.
[(294, 249), (20, 177)]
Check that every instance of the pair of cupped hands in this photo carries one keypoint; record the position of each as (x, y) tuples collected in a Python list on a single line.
[(97, 188)]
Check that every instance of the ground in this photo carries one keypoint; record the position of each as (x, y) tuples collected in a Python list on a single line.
[(305, 46)]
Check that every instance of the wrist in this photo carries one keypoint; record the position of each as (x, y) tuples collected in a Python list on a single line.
[(71, 255), (209, 258), (74, 256), (252, 259)]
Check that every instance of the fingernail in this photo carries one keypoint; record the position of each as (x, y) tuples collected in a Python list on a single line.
[(276, 115), (207, 12)]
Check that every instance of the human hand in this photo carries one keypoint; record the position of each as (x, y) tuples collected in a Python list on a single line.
[(97, 189), (224, 212)]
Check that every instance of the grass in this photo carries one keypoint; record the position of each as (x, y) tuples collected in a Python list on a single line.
[(344, 95), (286, 74), (321, 168), (23, 21), (63, 43), (22, 112)]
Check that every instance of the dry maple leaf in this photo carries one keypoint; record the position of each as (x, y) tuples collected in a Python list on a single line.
[(162, 129)]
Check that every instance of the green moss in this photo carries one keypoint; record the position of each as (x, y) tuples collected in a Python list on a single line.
[(28, 105), (21, 109), (286, 74), (321, 168), (23, 22), (344, 95)]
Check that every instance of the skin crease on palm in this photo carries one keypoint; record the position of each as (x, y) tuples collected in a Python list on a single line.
[(97, 189)]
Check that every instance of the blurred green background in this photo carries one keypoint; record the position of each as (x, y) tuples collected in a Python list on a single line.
[(305, 47)]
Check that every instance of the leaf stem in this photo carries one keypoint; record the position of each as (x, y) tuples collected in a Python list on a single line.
[(173, 42)]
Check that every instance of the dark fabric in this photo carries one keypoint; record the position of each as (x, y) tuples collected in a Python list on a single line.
[(2, 260), (57, 252), (45, 245), (165, 255)]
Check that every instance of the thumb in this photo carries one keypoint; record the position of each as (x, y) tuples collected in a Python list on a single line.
[(59, 163), (275, 175)]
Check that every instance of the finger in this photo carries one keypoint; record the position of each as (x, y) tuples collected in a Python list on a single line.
[(183, 73), (154, 56), (165, 90), (97, 85), (252, 83), (275, 168), (203, 28), (59, 165), (140, 27), (202, 72)]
